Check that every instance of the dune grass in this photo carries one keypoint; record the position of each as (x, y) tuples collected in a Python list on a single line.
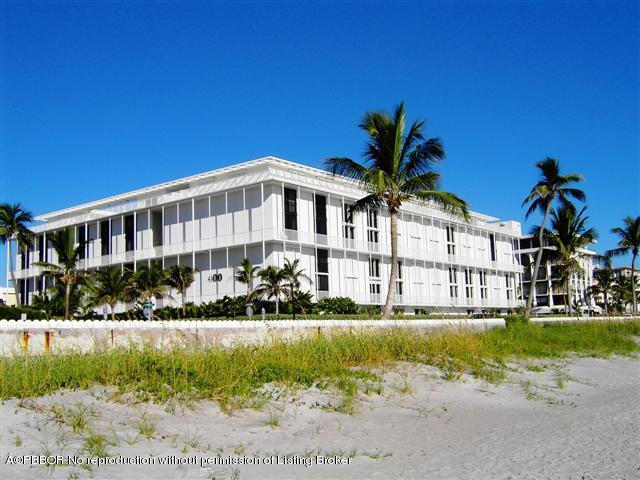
[(234, 376)]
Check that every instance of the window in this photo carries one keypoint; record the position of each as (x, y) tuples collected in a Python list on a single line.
[(492, 245), (323, 283), (372, 227), (374, 267), (128, 233), (323, 261), (374, 288), (104, 237), (483, 284), (507, 279), (453, 282), (468, 283), (321, 214), (372, 219), (399, 280), (348, 228), (322, 267), (41, 248), (82, 239), (290, 209), (451, 245)]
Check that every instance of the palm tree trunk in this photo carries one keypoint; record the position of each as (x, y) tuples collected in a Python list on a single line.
[(184, 307), (534, 278), (113, 312), (67, 295), (568, 287), (13, 274), (388, 306), (293, 303), (633, 284), (277, 302)]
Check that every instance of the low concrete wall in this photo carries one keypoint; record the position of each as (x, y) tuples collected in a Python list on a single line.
[(56, 336)]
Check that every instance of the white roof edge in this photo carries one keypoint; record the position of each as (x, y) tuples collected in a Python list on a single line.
[(133, 194), (122, 197)]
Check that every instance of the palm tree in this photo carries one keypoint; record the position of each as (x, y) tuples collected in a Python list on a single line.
[(110, 286), (293, 277), (66, 270), (568, 234), (246, 275), (13, 226), (623, 293), (271, 286), (629, 241), (150, 282), (551, 187), (399, 166), (181, 277), (40, 301), (604, 280)]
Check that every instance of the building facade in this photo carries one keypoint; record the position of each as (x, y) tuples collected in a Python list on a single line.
[(550, 292), (271, 209)]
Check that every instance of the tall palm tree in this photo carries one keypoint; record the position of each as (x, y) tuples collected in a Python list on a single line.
[(110, 286), (271, 286), (66, 270), (604, 280), (246, 275), (399, 166), (150, 282), (629, 241), (551, 187), (181, 277), (13, 227), (568, 234), (293, 277)]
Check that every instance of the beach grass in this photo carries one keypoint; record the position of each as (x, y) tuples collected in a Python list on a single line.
[(234, 376)]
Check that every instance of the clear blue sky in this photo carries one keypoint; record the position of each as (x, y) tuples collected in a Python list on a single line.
[(101, 98)]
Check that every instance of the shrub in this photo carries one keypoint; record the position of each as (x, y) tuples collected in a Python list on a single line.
[(14, 313), (338, 305), (511, 320)]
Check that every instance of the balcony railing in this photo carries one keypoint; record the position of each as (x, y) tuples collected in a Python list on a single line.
[(375, 298), (291, 235)]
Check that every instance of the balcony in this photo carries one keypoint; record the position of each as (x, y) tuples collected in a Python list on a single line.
[(290, 235), (320, 294), (374, 247), (322, 239), (375, 298)]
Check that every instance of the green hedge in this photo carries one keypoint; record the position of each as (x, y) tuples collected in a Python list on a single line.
[(13, 313)]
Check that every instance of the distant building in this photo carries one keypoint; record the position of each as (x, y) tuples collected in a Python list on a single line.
[(550, 292), (8, 296)]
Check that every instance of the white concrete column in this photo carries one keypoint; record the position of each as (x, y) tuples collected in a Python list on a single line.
[(135, 241), (179, 223), (264, 260), (193, 241), (163, 236)]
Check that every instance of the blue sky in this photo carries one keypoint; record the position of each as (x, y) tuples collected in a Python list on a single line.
[(101, 98)]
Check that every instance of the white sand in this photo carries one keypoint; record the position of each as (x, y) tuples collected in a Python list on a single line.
[(575, 420)]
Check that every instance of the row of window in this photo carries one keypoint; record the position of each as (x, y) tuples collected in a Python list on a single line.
[(348, 228)]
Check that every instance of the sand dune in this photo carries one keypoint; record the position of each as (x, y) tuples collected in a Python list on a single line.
[(577, 419)]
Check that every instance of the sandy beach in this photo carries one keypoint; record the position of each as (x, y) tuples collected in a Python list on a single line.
[(569, 419)]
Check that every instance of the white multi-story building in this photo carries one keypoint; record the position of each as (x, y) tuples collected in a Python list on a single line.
[(271, 209), (550, 292)]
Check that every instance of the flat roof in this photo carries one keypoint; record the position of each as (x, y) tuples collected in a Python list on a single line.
[(185, 182)]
